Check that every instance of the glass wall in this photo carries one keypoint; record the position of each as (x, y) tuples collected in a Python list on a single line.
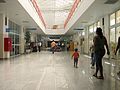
[(14, 33), (91, 35), (91, 32), (112, 19), (118, 16), (114, 31), (112, 42)]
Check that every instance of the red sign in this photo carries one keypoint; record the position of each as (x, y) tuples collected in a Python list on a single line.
[(7, 44)]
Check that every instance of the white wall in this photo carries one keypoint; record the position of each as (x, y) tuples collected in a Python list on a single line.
[(33, 37), (1, 35), (86, 48)]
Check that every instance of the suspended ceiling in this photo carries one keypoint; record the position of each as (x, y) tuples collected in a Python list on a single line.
[(55, 12)]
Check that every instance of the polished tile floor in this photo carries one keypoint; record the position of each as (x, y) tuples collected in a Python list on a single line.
[(47, 71)]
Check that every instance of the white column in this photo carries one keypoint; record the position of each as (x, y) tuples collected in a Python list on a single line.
[(22, 40), (3, 34), (106, 29), (86, 48)]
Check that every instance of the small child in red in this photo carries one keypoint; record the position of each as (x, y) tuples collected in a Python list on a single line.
[(76, 56)]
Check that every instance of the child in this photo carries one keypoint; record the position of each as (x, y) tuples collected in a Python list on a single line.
[(76, 56), (92, 57)]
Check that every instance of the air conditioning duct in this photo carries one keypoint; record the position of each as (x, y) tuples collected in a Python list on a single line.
[(111, 1)]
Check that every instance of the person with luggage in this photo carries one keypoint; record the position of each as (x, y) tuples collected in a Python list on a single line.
[(53, 45)]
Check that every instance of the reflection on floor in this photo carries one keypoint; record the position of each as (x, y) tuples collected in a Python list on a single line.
[(47, 71)]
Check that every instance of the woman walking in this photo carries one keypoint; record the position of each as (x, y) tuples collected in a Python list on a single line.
[(99, 43)]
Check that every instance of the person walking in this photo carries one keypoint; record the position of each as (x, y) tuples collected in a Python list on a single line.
[(99, 43), (53, 45), (118, 48), (76, 56), (39, 46)]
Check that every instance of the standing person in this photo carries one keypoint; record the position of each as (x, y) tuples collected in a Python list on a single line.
[(76, 56), (92, 57), (118, 47), (68, 46), (53, 45), (99, 42), (39, 46)]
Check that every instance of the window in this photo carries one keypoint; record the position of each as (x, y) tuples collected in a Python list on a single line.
[(91, 29), (112, 35), (83, 33), (118, 16), (14, 34), (112, 42), (98, 24), (112, 19), (95, 27), (117, 34)]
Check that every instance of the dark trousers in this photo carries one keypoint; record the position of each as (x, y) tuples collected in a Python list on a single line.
[(39, 48), (98, 58), (53, 50), (75, 62), (93, 59)]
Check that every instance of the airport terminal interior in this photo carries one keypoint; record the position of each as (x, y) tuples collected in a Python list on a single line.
[(39, 40)]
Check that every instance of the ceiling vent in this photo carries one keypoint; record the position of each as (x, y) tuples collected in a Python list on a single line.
[(111, 1), (2, 1)]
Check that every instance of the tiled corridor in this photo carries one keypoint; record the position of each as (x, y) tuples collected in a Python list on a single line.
[(47, 71)]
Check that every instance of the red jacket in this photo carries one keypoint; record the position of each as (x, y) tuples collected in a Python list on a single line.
[(75, 55)]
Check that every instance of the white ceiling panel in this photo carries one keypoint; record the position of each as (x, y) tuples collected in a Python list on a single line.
[(57, 10)]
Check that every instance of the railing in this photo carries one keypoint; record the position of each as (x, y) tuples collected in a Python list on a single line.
[(71, 11), (38, 11)]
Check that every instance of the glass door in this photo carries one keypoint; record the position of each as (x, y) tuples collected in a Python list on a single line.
[(112, 42), (117, 36)]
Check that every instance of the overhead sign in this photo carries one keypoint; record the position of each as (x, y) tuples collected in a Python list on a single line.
[(31, 29), (8, 29)]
